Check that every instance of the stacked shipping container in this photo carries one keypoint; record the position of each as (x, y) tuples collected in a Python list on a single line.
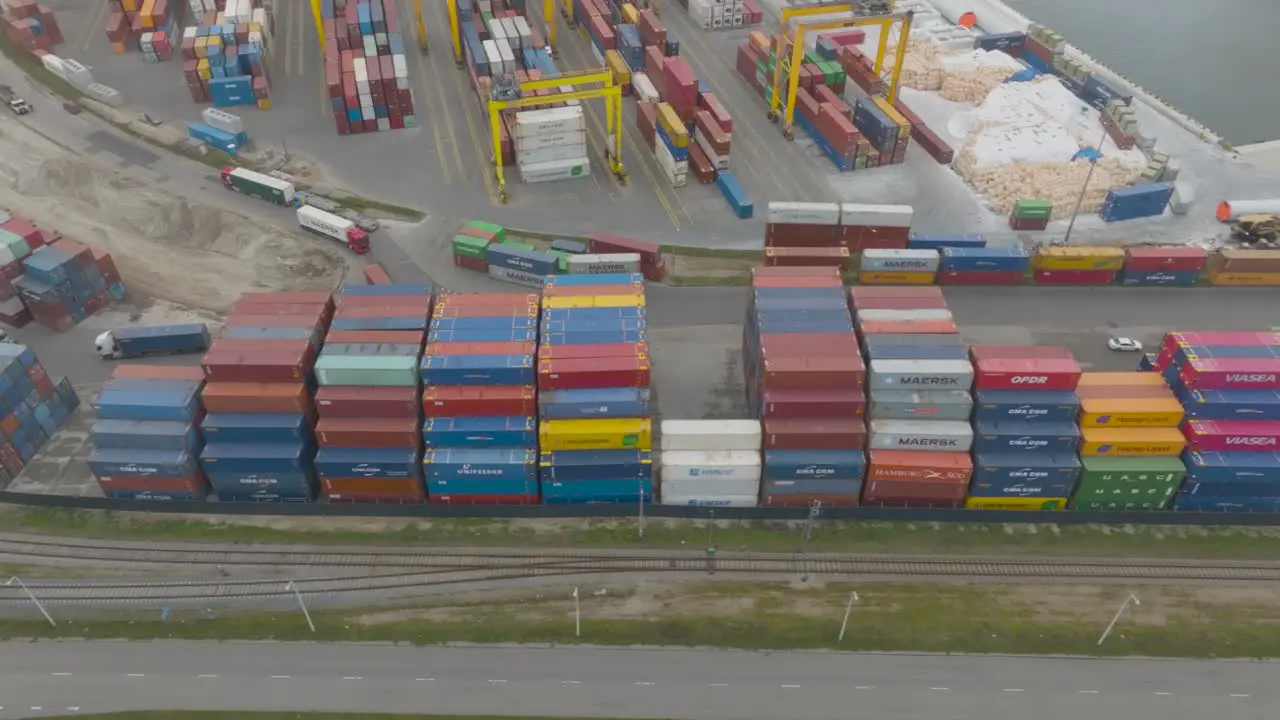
[(368, 398), (898, 267), (147, 439), (66, 281), (479, 399), (1025, 435), (1077, 265), (712, 463), (1178, 265), (31, 25), (365, 71), (226, 54), (33, 406), (257, 393), (1129, 425), (919, 398), (804, 379), (596, 428), (983, 266), (1245, 267)]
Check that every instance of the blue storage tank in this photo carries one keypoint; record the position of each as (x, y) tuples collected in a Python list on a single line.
[(735, 195), (1141, 278), (1017, 406), (1231, 404), (252, 458), (484, 323), (530, 261), (489, 335), (1198, 503), (142, 463), (480, 432), (936, 242), (1217, 467), (146, 435), (595, 337), (478, 370), (992, 259), (159, 404), (254, 428), (367, 463), (385, 290), (1049, 438), (595, 280), (594, 403), (558, 492), (917, 352), (1024, 475), (584, 465), (814, 464)]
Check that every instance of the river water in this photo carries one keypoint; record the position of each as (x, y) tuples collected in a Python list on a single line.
[(1215, 60)]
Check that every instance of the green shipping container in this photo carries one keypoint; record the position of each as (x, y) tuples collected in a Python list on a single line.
[(1032, 209), (499, 233), (562, 260), (470, 247), (376, 370), (15, 244), (1128, 483)]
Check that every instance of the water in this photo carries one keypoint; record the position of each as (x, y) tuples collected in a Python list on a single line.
[(1215, 60)]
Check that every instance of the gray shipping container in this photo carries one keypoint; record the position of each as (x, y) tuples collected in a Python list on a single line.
[(927, 435), (954, 405), (899, 315), (916, 352), (519, 277), (920, 375), (900, 260), (912, 339), (824, 486)]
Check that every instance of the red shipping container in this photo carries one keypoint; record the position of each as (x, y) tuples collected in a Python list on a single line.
[(837, 129), (826, 96), (1232, 435), (808, 500), (367, 432), (1174, 258), (899, 303), (591, 290), (702, 167), (1073, 277), (907, 327), (484, 312), (1231, 374), (296, 297), (489, 300), (652, 31), (680, 86), (585, 373), (919, 466), (418, 310), (605, 243), (257, 366), (316, 314), (1020, 352), (561, 352), (981, 277), (9, 457), (484, 499), (709, 102), (481, 348), (256, 397), (349, 401), (830, 274), (806, 256), (397, 337), (842, 434), (375, 274), (797, 281), (1028, 224), (812, 373), (158, 372), (248, 320), (406, 490), (254, 345), (793, 235), (133, 483), (837, 344), (857, 294), (1026, 374), (469, 401), (789, 404)]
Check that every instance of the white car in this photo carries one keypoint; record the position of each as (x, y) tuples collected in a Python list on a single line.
[(1124, 344)]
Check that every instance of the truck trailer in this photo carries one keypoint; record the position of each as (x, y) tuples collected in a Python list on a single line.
[(333, 227), (263, 187), (143, 340)]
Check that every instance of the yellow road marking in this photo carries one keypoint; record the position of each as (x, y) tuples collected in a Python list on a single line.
[(451, 135), (433, 118), (466, 98)]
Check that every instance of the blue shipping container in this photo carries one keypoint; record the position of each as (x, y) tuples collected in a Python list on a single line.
[(1140, 278), (570, 246), (1239, 489), (484, 323), (272, 495), (826, 301), (389, 323), (384, 290), (180, 406), (1024, 475), (557, 326), (367, 463), (735, 195), (118, 462), (256, 428), (255, 458), (595, 280), (1003, 41), (139, 339), (571, 492), (595, 337), (250, 482), (789, 293), (538, 263), (592, 314), (814, 464), (1050, 438), (594, 403), (1205, 467), (478, 370), (575, 465), (993, 259), (1012, 405), (490, 335), (1231, 404), (492, 464), (937, 242), (480, 432), (879, 129), (157, 496), (1197, 503), (1136, 201), (146, 435)]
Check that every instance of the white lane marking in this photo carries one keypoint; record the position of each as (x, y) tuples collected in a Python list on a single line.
[(353, 677), (497, 682), (790, 686), (137, 675), (73, 708), (1087, 692), (570, 682), (1163, 693), (1013, 689), (718, 685), (864, 687), (1239, 695), (281, 677), (206, 676), (644, 683), (426, 679), (940, 689), (61, 674), (36, 708)]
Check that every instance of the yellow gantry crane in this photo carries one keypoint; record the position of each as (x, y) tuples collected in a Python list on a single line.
[(785, 81), (599, 84)]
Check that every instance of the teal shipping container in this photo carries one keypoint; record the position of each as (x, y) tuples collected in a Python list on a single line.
[(369, 370)]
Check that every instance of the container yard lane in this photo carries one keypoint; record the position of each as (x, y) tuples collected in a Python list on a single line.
[(48, 678)]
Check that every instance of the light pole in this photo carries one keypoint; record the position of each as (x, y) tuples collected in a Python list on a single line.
[(34, 599), (1123, 606), (577, 613), (1093, 165), (844, 624), (305, 613), (640, 502)]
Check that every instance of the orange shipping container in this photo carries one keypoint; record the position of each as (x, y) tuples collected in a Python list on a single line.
[(907, 327), (924, 466), (1121, 392), (1121, 379), (244, 397)]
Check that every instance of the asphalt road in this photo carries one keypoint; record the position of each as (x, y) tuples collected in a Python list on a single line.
[(50, 678)]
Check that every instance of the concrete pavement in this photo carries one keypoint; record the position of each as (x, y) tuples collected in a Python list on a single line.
[(46, 678)]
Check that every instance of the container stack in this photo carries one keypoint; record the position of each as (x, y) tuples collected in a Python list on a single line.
[(983, 266), (258, 431), (33, 405), (898, 267), (1227, 384), (551, 144), (1025, 435), (1031, 214), (369, 431), (480, 402), (887, 130), (225, 56), (469, 245), (672, 146), (365, 71), (31, 25), (1245, 267), (65, 282), (920, 404), (804, 234), (596, 428), (874, 227), (711, 463), (147, 439), (1129, 423), (1078, 265), (1176, 265), (804, 378)]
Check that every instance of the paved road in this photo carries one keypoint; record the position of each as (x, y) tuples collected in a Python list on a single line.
[(48, 678)]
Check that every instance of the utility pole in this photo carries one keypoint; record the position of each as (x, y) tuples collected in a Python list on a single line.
[(640, 519), (577, 613), (1123, 606), (844, 624), (34, 599), (1093, 165), (305, 613)]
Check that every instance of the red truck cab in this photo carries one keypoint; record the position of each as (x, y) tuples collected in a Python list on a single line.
[(225, 176), (357, 241)]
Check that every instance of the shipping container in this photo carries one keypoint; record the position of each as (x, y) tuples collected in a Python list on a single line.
[(795, 404), (381, 490), (1078, 258), (367, 432), (131, 462), (272, 428), (1020, 352), (689, 472), (1024, 475), (596, 491), (922, 327), (1019, 406), (1131, 413), (594, 403), (1133, 393), (580, 465), (399, 370), (1232, 467), (472, 370), (1196, 503), (913, 315), (1003, 260), (921, 405), (480, 432), (910, 261), (916, 352), (864, 304), (710, 501), (921, 435), (1231, 374), (595, 434), (479, 401), (1120, 379), (283, 365), (1133, 483), (1116, 442), (1049, 438), (892, 465), (256, 397), (460, 465), (356, 401), (870, 340), (180, 403), (126, 371), (368, 463), (592, 373), (164, 435), (839, 465), (981, 277), (699, 435), (1015, 504), (920, 374), (814, 434), (1041, 374), (1232, 435), (1231, 404)]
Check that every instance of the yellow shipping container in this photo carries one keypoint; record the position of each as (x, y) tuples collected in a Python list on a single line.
[(147, 10), (621, 71), (897, 117), (875, 277), (1015, 503), (609, 434), (202, 69), (1078, 258), (630, 15), (593, 301), (671, 124), (1131, 442), (1121, 379), (1131, 413), (264, 104), (1239, 278), (760, 41)]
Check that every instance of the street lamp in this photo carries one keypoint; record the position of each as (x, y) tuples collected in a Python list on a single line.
[(1093, 165)]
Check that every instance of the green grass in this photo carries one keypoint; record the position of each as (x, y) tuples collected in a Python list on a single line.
[(828, 536), (1046, 619)]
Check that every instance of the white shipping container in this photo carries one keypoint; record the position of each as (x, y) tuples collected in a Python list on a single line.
[(802, 213), (555, 153), (904, 315), (924, 435), (556, 170), (710, 435), (854, 214), (710, 465), (519, 277), (400, 66), (497, 32), (719, 162), (920, 375), (676, 172), (53, 64), (523, 30), (360, 72), (76, 73), (900, 260), (685, 486), (549, 122), (537, 141), (104, 94), (643, 87), (710, 501), (508, 59), (226, 122), (493, 57), (512, 34), (610, 264)]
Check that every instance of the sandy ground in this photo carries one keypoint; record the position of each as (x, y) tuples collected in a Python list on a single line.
[(168, 247)]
